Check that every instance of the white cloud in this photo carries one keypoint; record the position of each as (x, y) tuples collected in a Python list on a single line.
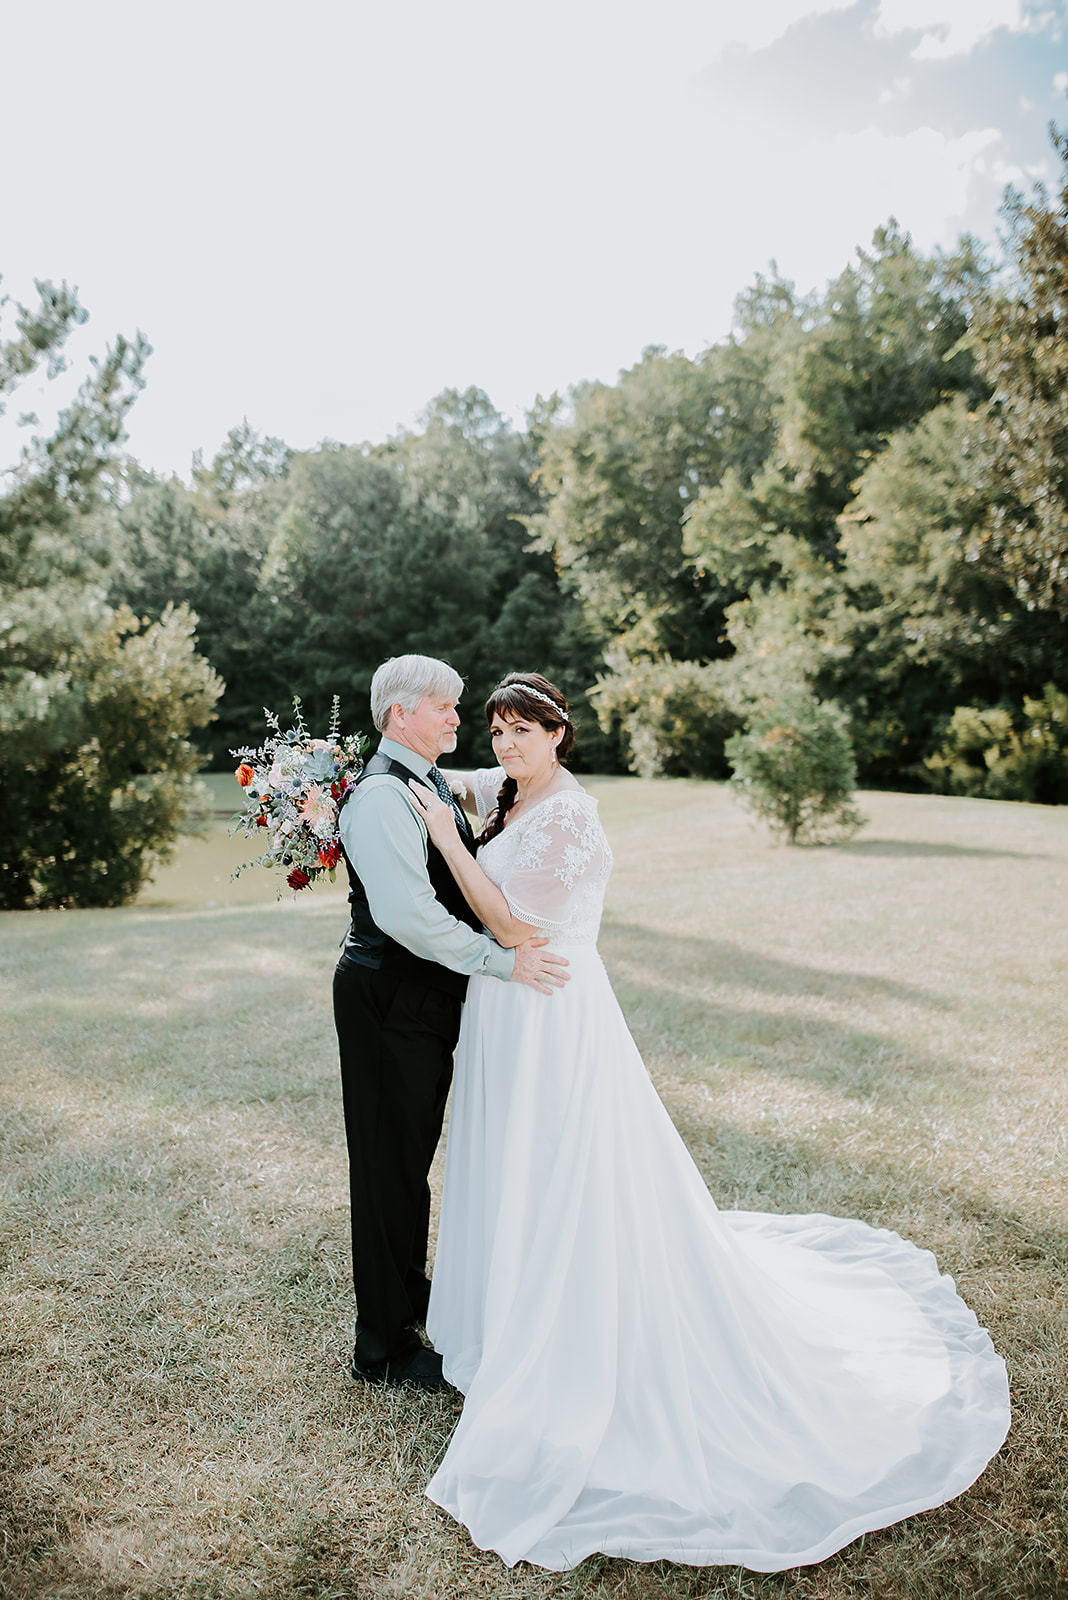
[(336, 212), (953, 26), (924, 178), (898, 88), (1060, 82), (757, 26)]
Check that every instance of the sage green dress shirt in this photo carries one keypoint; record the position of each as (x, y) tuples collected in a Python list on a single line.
[(386, 841)]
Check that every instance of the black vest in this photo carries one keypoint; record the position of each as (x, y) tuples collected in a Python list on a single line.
[(366, 944)]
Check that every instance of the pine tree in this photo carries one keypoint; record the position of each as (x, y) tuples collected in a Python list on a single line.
[(95, 710)]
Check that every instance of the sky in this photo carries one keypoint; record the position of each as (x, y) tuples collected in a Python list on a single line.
[(322, 215)]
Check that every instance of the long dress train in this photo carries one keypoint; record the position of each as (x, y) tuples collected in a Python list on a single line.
[(646, 1375)]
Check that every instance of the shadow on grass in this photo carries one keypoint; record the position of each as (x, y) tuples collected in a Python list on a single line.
[(902, 848), (763, 1170), (717, 960), (168, 1009), (198, 1263), (681, 1006), (1000, 1539), (244, 1017)]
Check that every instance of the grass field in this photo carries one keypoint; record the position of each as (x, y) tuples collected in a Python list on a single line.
[(876, 1029)]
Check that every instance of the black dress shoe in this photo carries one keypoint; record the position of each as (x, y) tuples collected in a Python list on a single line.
[(422, 1370)]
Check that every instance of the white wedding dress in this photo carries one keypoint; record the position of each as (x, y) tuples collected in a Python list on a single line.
[(645, 1375)]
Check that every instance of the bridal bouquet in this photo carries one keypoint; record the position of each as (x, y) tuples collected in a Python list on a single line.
[(294, 786)]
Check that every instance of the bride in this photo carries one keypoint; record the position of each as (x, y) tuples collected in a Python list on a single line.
[(646, 1375)]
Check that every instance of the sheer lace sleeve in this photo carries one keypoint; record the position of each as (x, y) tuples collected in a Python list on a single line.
[(488, 781), (562, 860)]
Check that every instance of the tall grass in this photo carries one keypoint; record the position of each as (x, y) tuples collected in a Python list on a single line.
[(876, 1029)]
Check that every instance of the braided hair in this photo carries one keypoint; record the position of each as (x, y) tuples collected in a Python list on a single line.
[(529, 696)]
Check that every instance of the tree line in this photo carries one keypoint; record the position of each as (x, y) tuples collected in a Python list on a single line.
[(854, 507)]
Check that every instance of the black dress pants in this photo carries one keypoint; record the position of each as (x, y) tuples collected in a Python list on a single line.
[(396, 1042)]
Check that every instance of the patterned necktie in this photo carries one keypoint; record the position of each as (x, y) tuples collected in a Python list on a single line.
[(441, 784)]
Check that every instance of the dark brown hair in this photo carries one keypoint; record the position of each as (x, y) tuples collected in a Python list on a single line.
[(512, 699)]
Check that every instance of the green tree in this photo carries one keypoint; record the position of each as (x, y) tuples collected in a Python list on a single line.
[(621, 475), (674, 716), (1021, 341), (691, 487), (927, 625), (877, 351), (204, 547), (95, 762), (956, 544), (418, 544)]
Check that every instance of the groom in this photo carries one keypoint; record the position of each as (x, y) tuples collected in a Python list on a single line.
[(398, 988)]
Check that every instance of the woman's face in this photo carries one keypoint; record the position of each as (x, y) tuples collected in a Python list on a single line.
[(524, 749)]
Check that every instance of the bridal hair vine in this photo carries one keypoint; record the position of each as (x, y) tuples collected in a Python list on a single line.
[(536, 694)]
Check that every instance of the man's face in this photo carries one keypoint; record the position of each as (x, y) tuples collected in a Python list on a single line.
[(429, 730)]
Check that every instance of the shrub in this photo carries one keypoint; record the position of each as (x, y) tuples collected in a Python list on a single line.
[(673, 715), (96, 792), (794, 766), (990, 753)]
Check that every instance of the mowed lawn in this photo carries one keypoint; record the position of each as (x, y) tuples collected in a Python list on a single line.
[(876, 1029)]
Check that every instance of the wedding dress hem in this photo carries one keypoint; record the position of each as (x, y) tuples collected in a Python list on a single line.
[(647, 1376)]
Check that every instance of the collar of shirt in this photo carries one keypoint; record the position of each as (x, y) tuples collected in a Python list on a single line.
[(408, 758)]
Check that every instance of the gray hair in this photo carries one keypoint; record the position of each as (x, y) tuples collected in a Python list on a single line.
[(405, 680)]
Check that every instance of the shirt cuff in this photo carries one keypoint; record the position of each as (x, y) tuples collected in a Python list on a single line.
[(499, 963)]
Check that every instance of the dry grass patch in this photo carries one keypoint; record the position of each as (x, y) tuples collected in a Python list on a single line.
[(876, 1029)]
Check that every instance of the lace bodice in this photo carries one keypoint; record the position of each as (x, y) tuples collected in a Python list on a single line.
[(551, 864)]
